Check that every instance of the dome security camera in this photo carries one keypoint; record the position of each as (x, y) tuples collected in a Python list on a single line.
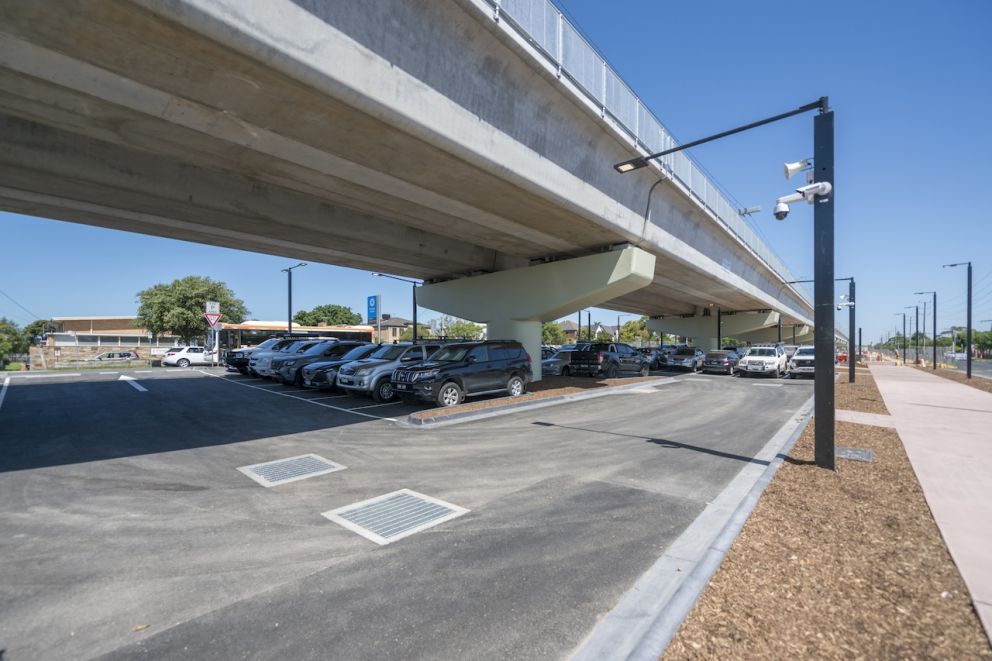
[(781, 211)]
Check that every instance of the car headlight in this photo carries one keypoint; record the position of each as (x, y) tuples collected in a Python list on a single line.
[(423, 376), (289, 363), (362, 371)]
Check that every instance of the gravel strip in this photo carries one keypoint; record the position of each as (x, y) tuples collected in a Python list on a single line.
[(960, 376), (837, 565)]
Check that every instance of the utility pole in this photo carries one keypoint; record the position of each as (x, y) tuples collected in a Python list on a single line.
[(289, 297)]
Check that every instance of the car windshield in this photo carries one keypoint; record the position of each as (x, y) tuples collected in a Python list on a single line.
[(389, 352), (806, 351), (318, 348), (761, 351), (717, 354), (357, 353), (450, 354), (685, 351), (175, 349), (269, 343), (562, 353)]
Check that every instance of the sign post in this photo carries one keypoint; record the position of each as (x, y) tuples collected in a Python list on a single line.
[(374, 317), (212, 315)]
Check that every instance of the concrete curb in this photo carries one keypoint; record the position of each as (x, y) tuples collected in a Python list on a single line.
[(646, 619), (456, 418)]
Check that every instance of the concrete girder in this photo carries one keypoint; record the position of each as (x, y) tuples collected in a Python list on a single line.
[(703, 329), (803, 335), (514, 303)]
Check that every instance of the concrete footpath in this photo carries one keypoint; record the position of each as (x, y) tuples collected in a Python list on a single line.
[(946, 428)]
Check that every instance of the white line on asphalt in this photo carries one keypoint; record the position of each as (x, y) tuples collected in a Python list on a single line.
[(106, 373), (372, 406), (314, 399), (767, 385), (302, 399), (3, 390), (43, 376), (130, 380), (143, 371)]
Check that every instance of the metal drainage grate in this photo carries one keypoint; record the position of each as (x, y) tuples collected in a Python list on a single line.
[(283, 471), (854, 454), (395, 515)]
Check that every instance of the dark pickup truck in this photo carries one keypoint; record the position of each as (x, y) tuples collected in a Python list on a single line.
[(609, 359)]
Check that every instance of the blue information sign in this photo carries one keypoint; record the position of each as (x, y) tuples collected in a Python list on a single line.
[(373, 310)]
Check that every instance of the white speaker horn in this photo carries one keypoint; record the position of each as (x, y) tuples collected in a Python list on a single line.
[(791, 169)]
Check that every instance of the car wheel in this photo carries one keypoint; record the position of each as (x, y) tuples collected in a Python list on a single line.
[(515, 386), (383, 391), (298, 379), (243, 370), (183, 362), (449, 395), (611, 372), (565, 371)]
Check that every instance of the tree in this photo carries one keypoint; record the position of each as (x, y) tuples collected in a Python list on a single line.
[(177, 308), (10, 339), (603, 336), (552, 333), (328, 315), (460, 328), (36, 328), (407, 334), (634, 330)]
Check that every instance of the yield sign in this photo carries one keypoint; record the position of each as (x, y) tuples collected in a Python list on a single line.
[(212, 318)]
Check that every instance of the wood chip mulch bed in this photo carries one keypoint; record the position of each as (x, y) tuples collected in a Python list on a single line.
[(961, 377), (862, 395), (549, 386), (837, 565)]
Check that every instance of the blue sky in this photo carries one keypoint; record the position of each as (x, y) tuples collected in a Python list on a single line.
[(910, 83)]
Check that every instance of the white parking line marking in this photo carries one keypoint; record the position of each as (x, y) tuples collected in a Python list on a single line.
[(303, 399), (143, 371), (43, 376), (767, 385), (130, 380), (3, 390), (314, 399), (106, 373), (374, 406)]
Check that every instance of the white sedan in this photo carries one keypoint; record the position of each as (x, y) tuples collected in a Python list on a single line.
[(186, 356)]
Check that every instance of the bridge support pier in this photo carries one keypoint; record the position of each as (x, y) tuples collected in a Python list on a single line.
[(703, 329), (516, 302)]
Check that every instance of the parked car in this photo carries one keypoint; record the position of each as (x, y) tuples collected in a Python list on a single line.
[(371, 376), (802, 362), (687, 358), (186, 356), (238, 359), (323, 374), (260, 363), (559, 364), (289, 369), (790, 349), (654, 354), (260, 353), (722, 361), (764, 361), (465, 369), (116, 356), (608, 359)]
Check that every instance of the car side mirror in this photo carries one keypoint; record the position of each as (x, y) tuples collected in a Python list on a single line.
[(471, 359)]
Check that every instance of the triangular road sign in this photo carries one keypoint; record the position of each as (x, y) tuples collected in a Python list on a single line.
[(212, 318)]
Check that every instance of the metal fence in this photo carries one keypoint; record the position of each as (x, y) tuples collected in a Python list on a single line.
[(542, 24)]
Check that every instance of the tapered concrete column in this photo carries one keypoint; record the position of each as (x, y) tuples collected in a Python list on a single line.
[(516, 302), (703, 330)]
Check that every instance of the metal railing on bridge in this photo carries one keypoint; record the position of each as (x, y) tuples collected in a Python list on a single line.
[(542, 24)]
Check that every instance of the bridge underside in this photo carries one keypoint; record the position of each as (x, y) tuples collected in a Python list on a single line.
[(114, 117)]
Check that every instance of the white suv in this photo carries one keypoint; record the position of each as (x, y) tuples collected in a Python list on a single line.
[(802, 362), (186, 356), (764, 360)]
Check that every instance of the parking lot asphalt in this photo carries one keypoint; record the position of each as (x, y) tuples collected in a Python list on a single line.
[(129, 532)]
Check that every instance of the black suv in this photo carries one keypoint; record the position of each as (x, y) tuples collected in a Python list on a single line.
[(464, 369)]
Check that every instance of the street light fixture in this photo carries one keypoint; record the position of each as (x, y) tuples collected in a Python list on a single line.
[(968, 348), (289, 298), (412, 282), (934, 310), (818, 192)]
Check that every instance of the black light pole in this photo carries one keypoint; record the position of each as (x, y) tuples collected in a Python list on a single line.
[(859, 343), (968, 349), (934, 312), (903, 336), (719, 328), (916, 334), (823, 260), (779, 327), (289, 297), (412, 282)]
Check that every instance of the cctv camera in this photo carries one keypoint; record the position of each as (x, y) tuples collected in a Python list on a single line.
[(822, 188), (781, 211)]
